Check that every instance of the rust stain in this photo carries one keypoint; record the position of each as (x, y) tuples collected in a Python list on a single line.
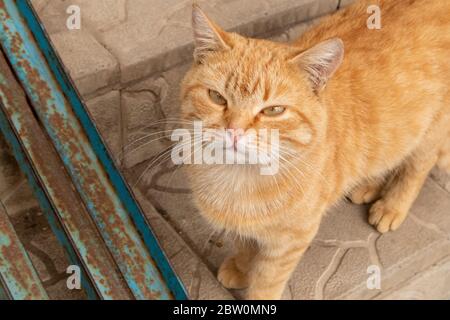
[(20, 270), (42, 157), (3, 11), (72, 140)]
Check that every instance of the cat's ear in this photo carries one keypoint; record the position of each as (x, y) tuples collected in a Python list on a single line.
[(208, 37), (321, 61)]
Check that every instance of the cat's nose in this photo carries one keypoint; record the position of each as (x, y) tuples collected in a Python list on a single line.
[(235, 134)]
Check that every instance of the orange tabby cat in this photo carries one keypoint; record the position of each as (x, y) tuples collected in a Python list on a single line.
[(369, 124)]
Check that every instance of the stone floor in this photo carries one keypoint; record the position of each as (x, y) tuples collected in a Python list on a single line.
[(125, 41)]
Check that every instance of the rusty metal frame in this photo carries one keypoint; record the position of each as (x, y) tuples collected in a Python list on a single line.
[(64, 209), (106, 197), (16, 269), (3, 294)]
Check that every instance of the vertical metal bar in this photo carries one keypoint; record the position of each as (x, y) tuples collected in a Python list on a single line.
[(3, 294), (16, 270), (95, 177), (117, 181), (63, 208)]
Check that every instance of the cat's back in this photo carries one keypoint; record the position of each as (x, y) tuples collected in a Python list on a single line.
[(405, 59), (413, 26)]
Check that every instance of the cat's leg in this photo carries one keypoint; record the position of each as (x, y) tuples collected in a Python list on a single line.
[(279, 253), (233, 273), (272, 268), (444, 155), (367, 192), (400, 192)]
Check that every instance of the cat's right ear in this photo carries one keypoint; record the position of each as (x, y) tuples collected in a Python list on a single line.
[(208, 37), (321, 61)]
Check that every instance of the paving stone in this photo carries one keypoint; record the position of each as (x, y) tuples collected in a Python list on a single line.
[(349, 270), (97, 15), (53, 14), (296, 31), (345, 3), (91, 66), (9, 171), (45, 252), (39, 5), (152, 110), (106, 111), (154, 40), (170, 102), (315, 264), (442, 178), (15, 194), (434, 283), (432, 208), (59, 291), (144, 121), (279, 37), (198, 280), (339, 256), (413, 248), (168, 191), (101, 15), (350, 215)]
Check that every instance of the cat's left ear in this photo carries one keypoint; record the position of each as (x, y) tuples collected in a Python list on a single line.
[(321, 61), (208, 37)]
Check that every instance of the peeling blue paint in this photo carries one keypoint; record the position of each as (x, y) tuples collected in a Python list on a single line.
[(107, 197)]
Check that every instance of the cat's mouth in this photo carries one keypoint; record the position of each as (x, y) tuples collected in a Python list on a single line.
[(239, 154), (219, 147)]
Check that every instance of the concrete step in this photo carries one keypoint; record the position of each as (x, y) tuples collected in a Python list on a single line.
[(125, 41)]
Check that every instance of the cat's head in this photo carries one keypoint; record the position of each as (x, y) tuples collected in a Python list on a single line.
[(241, 83)]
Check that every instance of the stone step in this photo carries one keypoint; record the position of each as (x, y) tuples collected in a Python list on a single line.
[(124, 41)]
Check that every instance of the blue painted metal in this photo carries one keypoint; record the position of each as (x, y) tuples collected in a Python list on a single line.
[(16, 270), (100, 185), (118, 182), (40, 194), (3, 294), (65, 212)]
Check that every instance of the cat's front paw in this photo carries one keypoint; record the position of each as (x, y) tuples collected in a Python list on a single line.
[(230, 276), (365, 194), (384, 218), (261, 293)]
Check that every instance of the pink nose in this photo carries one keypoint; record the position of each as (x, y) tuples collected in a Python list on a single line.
[(235, 135)]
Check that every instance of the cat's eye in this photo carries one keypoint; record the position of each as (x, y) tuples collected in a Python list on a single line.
[(217, 98), (273, 111)]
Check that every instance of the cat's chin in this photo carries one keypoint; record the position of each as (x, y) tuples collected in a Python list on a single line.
[(243, 168), (227, 169)]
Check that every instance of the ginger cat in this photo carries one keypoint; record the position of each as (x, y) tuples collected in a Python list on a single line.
[(369, 124)]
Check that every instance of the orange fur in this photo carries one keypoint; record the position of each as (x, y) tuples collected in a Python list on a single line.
[(373, 130)]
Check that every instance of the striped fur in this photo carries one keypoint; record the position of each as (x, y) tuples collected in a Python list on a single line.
[(372, 130)]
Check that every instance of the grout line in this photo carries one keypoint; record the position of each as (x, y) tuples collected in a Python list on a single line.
[(435, 181), (328, 273)]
